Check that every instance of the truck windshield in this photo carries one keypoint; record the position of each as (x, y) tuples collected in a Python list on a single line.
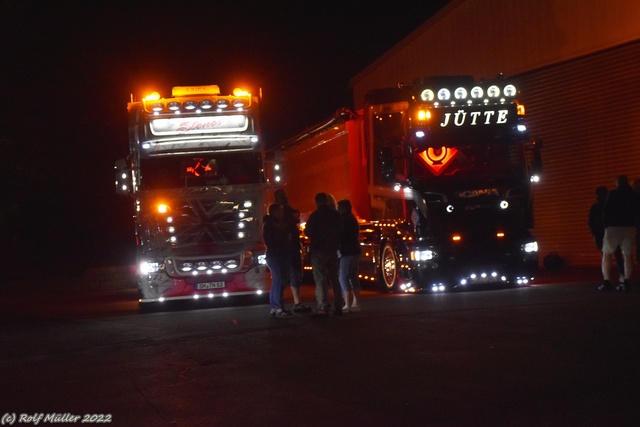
[(200, 170)]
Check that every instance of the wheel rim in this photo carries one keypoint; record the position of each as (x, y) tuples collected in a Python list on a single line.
[(389, 267)]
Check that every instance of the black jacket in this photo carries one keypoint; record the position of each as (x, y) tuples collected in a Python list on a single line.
[(293, 226), (276, 237), (324, 228), (622, 208), (350, 238)]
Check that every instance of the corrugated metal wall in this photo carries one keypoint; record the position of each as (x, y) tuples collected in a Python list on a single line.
[(486, 37), (587, 112)]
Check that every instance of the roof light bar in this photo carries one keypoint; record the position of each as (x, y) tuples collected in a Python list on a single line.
[(492, 93)]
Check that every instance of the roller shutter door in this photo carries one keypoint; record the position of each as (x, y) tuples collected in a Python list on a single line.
[(587, 113)]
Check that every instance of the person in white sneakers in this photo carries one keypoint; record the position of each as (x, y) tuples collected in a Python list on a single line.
[(349, 257)]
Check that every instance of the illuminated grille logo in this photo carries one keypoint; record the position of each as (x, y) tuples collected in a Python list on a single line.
[(437, 159), (210, 221)]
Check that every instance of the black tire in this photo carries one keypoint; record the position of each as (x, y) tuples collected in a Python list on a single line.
[(389, 268)]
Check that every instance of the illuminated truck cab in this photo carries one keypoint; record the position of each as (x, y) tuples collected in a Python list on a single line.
[(195, 171), (462, 163), (440, 174)]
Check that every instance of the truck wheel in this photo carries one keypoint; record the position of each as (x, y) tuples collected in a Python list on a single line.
[(389, 269)]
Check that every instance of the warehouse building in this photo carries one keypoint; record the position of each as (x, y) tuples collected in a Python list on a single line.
[(577, 65)]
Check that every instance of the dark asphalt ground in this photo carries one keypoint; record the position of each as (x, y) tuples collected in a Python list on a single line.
[(555, 354), (85, 300)]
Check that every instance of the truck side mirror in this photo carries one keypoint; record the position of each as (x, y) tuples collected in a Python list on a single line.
[(387, 169), (123, 177)]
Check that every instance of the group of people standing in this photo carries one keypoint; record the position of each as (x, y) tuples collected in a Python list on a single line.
[(334, 249), (614, 219)]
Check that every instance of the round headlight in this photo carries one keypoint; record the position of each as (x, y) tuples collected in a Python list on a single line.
[(444, 94), (427, 95), (460, 93), (493, 91), (206, 104), (231, 264), (510, 90), (477, 92), (190, 105)]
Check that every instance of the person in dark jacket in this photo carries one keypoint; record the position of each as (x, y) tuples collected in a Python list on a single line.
[(620, 216), (276, 235), (323, 228), (349, 257), (292, 218), (636, 187), (596, 226)]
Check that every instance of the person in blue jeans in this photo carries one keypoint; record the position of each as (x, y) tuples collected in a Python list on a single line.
[(277, 236), (349, 257)]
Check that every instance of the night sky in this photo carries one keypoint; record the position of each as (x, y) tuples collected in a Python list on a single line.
[(69, 68)]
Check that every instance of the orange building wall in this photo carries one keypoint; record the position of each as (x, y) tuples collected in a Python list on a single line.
[(577, 63)]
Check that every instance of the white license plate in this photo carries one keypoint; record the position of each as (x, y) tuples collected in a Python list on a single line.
[(210, 285)]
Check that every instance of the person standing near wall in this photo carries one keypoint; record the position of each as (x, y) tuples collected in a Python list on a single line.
[(596, 226), (636, 187), (620, 216)]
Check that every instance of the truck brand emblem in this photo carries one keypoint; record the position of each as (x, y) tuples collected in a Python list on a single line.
[(438, 158), (479, 192)]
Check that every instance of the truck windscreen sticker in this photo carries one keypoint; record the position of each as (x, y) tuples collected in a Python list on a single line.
[(199, 125)]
